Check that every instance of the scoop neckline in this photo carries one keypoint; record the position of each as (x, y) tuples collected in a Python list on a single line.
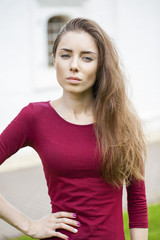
[(67, 122)]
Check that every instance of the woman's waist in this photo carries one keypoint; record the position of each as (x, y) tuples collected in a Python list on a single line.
[(89, 202), (90, 212)]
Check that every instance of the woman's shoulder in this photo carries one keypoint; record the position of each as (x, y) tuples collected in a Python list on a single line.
[(33, 110), (37, 106)]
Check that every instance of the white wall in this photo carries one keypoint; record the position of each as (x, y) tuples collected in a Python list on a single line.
[(14, 57), (138, 38)]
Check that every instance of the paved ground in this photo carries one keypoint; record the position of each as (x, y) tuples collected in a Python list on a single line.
[(26, 190)]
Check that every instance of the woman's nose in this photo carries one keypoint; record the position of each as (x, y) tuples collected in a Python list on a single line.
[(74, 66), (74, 69)]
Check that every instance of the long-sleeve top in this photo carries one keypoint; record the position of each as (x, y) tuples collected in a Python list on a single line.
[(71, 164)]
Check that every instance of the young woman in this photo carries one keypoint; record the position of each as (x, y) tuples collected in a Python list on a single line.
[(89, 140)]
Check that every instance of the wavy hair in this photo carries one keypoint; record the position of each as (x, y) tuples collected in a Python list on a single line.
[(117, 127)]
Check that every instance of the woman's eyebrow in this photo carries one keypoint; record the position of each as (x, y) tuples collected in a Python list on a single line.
[(65, 49), (84, 52), (88, 52)]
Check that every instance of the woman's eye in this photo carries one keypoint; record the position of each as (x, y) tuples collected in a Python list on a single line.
[(65, 56), (87, 59)]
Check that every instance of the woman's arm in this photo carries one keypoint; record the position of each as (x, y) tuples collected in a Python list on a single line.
[(14, 217), (139, 233), (43, 228), (137, 210)]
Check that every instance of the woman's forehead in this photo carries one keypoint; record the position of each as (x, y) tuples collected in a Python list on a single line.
[(77, 40)]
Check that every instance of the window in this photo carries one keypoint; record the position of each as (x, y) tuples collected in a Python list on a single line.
[(54, 25)]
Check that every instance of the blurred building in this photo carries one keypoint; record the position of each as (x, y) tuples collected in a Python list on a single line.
[(27, 32)]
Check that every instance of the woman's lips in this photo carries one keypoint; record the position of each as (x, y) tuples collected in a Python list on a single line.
[(73, 80)]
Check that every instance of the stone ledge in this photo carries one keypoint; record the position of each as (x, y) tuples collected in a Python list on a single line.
[(24, 158)]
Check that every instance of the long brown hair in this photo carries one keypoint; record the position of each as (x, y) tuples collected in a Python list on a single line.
[(117, 126)]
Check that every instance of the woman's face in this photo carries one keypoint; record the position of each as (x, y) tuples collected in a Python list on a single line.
[(76, 62)]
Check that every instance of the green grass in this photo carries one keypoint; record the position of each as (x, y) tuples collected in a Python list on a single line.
[(154, 224), (22, 238)]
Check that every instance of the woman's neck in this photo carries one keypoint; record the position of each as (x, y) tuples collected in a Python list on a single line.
[(76, 108), (77, 103)]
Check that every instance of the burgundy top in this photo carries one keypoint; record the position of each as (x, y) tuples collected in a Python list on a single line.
[(72, 169)]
